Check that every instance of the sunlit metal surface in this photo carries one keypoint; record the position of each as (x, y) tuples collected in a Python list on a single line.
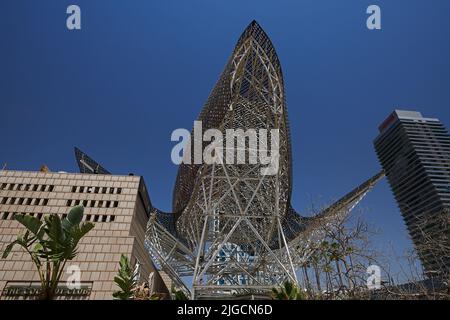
[(233, 229)]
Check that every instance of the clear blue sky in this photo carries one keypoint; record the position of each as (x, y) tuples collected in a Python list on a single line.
[(140, 69)]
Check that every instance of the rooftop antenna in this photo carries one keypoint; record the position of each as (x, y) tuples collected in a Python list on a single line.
[(4, 166)]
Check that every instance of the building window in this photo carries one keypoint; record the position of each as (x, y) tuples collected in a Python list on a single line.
[(28, 202), (97, 190), (35, 187), (74, 189), (108, 204), (99, 218), (100, 204), (104, 190), (3, 187), (68, 203), (119, 190), (11, 186), (116, 204), (4, 200), (20, 201), (45, 202), (51, 188)]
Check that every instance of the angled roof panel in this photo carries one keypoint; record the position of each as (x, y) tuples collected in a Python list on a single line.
[(87, 164)]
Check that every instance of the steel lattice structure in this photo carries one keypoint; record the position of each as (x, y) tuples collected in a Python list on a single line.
[(233, 229), (87, 164)]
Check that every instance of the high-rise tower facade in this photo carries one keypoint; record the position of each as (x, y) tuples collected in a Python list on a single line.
[(415, 154)]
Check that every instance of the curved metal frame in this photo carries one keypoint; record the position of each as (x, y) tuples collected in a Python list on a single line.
[(233, 229)]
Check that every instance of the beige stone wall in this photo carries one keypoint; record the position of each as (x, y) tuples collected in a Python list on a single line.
[(112, 203)]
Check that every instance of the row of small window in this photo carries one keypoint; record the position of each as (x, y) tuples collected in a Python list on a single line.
[(26, 187), (93, 203), (88, 217), (24, 201), (77, 189)]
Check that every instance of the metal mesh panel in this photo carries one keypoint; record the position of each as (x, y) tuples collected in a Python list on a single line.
[(233, 228)]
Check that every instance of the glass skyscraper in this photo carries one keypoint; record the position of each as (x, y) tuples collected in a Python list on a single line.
[(415, 154)]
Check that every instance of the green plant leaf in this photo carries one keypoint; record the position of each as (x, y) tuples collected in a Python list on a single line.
[(8, 249), (78, 232), (121, 283), (55, 230), (125, 279), (31, 223), (75, 215)]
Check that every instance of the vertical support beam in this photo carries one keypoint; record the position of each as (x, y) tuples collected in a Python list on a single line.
[(287, 250), (199, 254)]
